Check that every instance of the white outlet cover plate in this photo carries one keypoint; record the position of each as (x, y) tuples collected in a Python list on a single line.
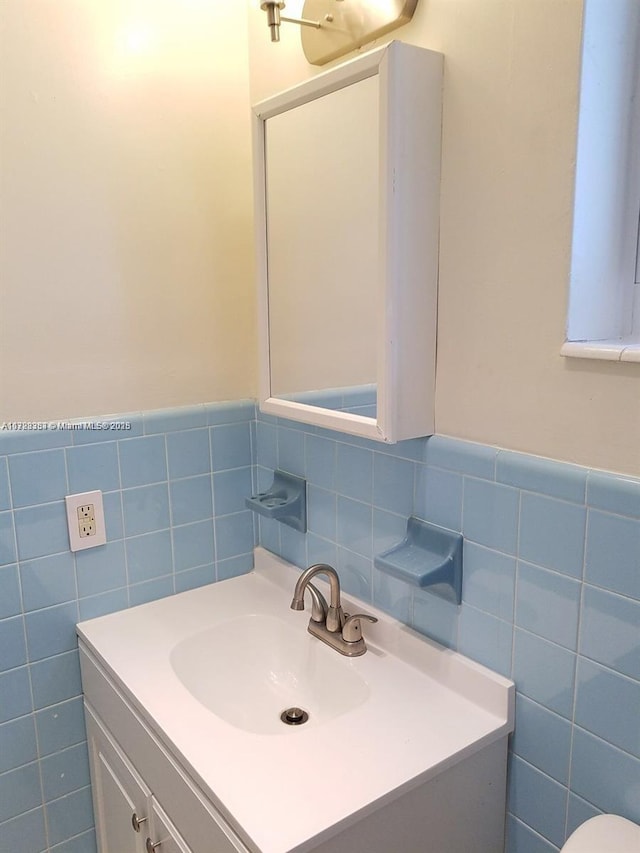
[(77, 542)]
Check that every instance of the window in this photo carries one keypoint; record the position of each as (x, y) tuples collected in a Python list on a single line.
[(604, 299)]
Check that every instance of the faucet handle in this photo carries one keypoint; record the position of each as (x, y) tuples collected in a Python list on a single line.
[(352, 630)]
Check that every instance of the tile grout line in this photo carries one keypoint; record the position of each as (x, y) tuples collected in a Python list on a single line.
[(165, 445), (576, 664)]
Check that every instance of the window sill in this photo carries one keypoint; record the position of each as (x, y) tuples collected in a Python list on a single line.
[(602, 350)]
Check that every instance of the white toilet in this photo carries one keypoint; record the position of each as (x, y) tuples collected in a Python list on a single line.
[(606, 833)]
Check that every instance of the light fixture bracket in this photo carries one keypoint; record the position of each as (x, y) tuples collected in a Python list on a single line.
[(332, 28)]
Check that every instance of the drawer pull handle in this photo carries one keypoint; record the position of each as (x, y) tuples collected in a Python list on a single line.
[(136, 822), (151, 846)]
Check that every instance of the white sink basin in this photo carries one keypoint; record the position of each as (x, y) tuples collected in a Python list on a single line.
[(211, 670), (250, 669)]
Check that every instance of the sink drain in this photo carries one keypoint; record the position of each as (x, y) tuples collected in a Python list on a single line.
[(294, 716)]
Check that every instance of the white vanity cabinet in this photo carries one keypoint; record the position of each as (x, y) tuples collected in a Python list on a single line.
[(129, 819), (143, 801), (121, 799)]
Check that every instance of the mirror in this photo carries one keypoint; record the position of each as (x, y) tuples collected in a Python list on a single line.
[(347, 179), (322, 158)]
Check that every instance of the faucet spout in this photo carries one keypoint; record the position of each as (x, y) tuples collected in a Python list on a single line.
[(335, 616)]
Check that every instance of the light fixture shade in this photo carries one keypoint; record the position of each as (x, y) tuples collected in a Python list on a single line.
[(346, 25), (332, 28)]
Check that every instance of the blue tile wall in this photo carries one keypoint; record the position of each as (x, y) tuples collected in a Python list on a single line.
[(174, 487), (551, 595)]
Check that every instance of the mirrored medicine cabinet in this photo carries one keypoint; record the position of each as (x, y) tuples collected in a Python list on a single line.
[(347, 178)]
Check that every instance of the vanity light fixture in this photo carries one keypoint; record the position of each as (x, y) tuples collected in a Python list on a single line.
[(331, 28)]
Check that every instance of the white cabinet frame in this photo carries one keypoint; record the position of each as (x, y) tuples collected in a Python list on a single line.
[(410, 106)]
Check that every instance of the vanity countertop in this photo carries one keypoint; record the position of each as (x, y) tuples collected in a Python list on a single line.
[(423, 709)]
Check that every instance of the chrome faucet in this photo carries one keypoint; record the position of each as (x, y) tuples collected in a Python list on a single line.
[(329, 622), (335, 617)]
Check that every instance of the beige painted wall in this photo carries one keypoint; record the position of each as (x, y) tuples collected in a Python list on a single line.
[(126, 250), (510, 111), (126, 258)]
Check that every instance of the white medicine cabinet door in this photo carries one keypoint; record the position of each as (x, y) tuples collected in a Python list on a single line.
[(347, 186)]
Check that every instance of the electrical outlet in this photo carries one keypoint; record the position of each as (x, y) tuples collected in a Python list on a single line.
[(85, 518), (87, 528)]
